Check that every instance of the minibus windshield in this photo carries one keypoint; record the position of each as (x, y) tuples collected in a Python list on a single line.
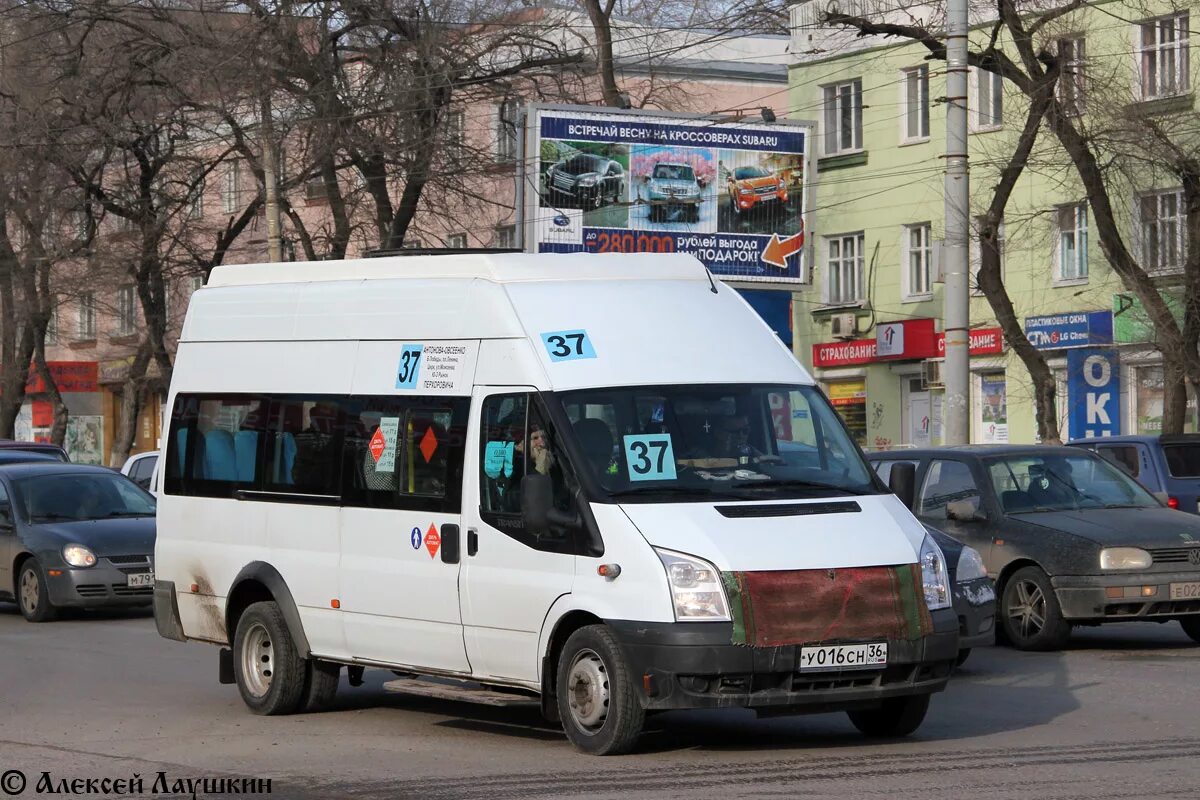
[(714, 441)]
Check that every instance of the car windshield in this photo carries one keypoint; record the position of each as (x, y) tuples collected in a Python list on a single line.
[(579, 165), (1183, 460), (707, 442), (742, 173), (1054, 482), (78, 496), (674, 172)]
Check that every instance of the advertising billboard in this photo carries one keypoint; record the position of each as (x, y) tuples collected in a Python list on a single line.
[(733, 194)]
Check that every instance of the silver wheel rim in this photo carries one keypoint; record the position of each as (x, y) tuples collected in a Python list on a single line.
[(30, 590), (258, 660), (588, 691), (1028, 612)]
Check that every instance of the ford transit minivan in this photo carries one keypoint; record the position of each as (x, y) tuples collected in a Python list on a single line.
[(597, 480)]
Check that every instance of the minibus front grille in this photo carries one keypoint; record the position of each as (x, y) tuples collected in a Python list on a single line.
[(788, 509)]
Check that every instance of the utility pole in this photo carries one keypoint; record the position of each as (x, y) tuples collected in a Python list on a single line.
[(267, 145), (956, 300)]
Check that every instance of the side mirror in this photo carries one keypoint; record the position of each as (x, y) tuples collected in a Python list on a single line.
[(6, 519), (537, 506), (902, 480), (964, 511)]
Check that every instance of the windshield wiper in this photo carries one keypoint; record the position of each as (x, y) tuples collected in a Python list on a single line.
[(52, 517), (130, 513), (784, 483)]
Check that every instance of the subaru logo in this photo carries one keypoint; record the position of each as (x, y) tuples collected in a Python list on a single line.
[(561, 220), (1194, 556)]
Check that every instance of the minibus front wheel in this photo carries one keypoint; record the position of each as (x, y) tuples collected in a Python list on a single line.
[(896, 716), (597, 701), (269, 672)]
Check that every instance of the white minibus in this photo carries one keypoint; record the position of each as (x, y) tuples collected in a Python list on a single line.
[(600, 481)]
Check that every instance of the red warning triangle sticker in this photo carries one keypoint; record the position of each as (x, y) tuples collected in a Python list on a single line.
[(432, 540), (378, 443)]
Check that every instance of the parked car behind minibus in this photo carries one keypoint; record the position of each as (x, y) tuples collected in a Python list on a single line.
[(1069, 538), (548, 474), (1168, 465)]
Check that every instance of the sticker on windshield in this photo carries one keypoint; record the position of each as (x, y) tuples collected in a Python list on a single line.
[(650, 457), (568, 345), (498, 458)]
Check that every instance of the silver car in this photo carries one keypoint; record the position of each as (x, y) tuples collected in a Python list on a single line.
[(672, 187)]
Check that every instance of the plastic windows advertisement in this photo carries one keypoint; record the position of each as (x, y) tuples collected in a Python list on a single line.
[(733, 194)]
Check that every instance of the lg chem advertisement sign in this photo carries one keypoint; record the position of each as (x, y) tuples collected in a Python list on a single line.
[(731, 194)]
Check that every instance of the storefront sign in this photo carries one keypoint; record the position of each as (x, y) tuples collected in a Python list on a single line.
[(1076, 329), (910, 340), (843, 354), (1093, 393), (69, 376), (993, 408), (981, 342), (848, 393), (1131, 323)]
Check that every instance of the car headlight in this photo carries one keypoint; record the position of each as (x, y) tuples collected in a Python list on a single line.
[(970, 566), (695, 588), (745, 191), (78, 556), (934, 578), (587, 180), (1124, 558)]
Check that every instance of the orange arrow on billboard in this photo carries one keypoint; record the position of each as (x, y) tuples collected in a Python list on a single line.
[(777, 250)]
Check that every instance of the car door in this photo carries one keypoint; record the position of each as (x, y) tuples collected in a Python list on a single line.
[(9, 543), (950, 491), (510, 578)]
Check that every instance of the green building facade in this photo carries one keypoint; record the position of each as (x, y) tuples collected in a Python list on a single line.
[(869, 324)]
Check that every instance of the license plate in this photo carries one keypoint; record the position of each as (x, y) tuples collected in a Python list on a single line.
[(1185, 591), (844, 656), (140, 579)]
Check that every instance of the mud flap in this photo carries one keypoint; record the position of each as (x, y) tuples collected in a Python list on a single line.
[(225, 666)]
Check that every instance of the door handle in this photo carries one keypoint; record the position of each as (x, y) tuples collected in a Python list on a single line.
[(451, 544), (472, 541)]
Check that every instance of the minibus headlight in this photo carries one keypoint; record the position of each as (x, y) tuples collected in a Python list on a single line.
[(78, 556), (1124, 558), (696, 588), (934, 578), (970, 566)]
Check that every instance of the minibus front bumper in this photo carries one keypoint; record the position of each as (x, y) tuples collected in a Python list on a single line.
[(696, 665)]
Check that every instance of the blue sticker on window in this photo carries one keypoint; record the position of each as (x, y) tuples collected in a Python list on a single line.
[(568, 345), (410, 366), (650, 457), (498, 458)]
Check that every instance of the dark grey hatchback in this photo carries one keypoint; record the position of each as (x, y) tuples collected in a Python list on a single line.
[(1068, 538), (74, 535)]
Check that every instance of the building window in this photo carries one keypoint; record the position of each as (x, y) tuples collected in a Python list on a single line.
[(507, 117), (126, 311), (456, 241), (843, 117), (196, 208), (1164, 230), (845, 268), (989, 100), (977, 253), (506, 236), (229, 192), (916, 103), (918, 259), (1071, 53), (52, 325), (1163, 56), (87, 316), (1072, 242), (196, 281), (455, 131)]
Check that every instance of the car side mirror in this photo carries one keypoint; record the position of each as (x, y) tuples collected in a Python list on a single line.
[(902, 480), (6, 519), (537, 506), (964, 511)]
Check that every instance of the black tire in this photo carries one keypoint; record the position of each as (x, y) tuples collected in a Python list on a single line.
[(898, 716), (1191, 626), (963, 655), (1030, 615), (597, 698), (35, 604), (278, 685), (320, 685)]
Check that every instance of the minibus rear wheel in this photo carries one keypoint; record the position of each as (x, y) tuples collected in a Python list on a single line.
[(270, 673), (597, 701), (896, 716)]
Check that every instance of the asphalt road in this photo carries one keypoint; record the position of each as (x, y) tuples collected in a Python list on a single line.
[(1115, 716)]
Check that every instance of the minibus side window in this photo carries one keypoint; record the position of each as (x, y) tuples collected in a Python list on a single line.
[(213, 445), (517, 439), (304, 442)]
